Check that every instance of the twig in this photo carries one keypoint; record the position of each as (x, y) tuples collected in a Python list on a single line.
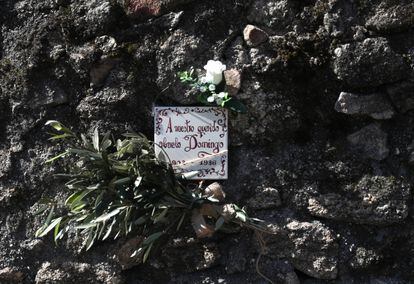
[(262, 251)]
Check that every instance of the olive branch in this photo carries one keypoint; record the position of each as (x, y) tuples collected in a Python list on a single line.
[(120, 187)]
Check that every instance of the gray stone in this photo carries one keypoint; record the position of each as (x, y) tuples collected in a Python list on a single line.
[(277, 15), (49, 94), (5, 160), (189, 255), (73, 272), (369, 63), (315, 249), (7, 195), (233, 81), (237, 55), (254, 36), (100, 71), (10, 275), (402, 95), (125, 252), (375, 105), (364, 258), (142, 9), (93, 17), (270, 113), (177, 53), (265, 198), (375, 200), (371, 140), (393, 18)]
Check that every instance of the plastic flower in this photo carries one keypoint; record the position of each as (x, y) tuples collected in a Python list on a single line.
[(212, 87), (203, 89), (211, 98), (214, 72)]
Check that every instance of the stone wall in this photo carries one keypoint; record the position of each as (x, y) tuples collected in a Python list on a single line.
[(324, 152)]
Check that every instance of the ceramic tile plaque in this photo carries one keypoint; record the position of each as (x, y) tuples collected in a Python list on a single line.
[(194, 138)]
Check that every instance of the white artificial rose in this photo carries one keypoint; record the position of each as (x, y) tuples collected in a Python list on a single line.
[(214, 71)]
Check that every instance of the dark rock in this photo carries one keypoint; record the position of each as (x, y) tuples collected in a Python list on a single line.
[(74, 272), (376, 200), (375, 105), (125, 252), (10, 275), (7, 195), (392, 18), (49, 94), (269, 113), (100, 71), (238, 255), (364, 258), (315, 250), (402, 95), (87, 19), (189, 255), (340, 19), (371, 140), (265, 198), (175, 54), (233, 81), (278, 270), (142, 9), (237, 55), (254, 36), (369, 63), (277, 15), (5, 160)]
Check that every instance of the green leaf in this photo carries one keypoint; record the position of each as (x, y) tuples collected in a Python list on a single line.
[(59, 126), (241, 216), (152, 238), (61, 155), (49, 227), (108, 215), (86, 226), (181, 221), (109, 231), (56, 232), (77, 200), (59, 136), (85, 153), (42, 209), (91, 238), (122, 181), (106, 142), (95, 139), (219, 223), (189, 175), (147, 252), (235, 105), (138, 181), (161, 216)]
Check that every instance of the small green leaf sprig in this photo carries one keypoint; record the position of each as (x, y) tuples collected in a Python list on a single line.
[(210, 87)]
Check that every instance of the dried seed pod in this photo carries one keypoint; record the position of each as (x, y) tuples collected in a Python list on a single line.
[(209, 210), (227, 211), (215, 190), (201, 228)]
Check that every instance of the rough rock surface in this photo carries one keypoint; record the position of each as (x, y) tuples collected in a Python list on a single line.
[(371, 140), (375, 105), (335, 188), (369, 63)]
